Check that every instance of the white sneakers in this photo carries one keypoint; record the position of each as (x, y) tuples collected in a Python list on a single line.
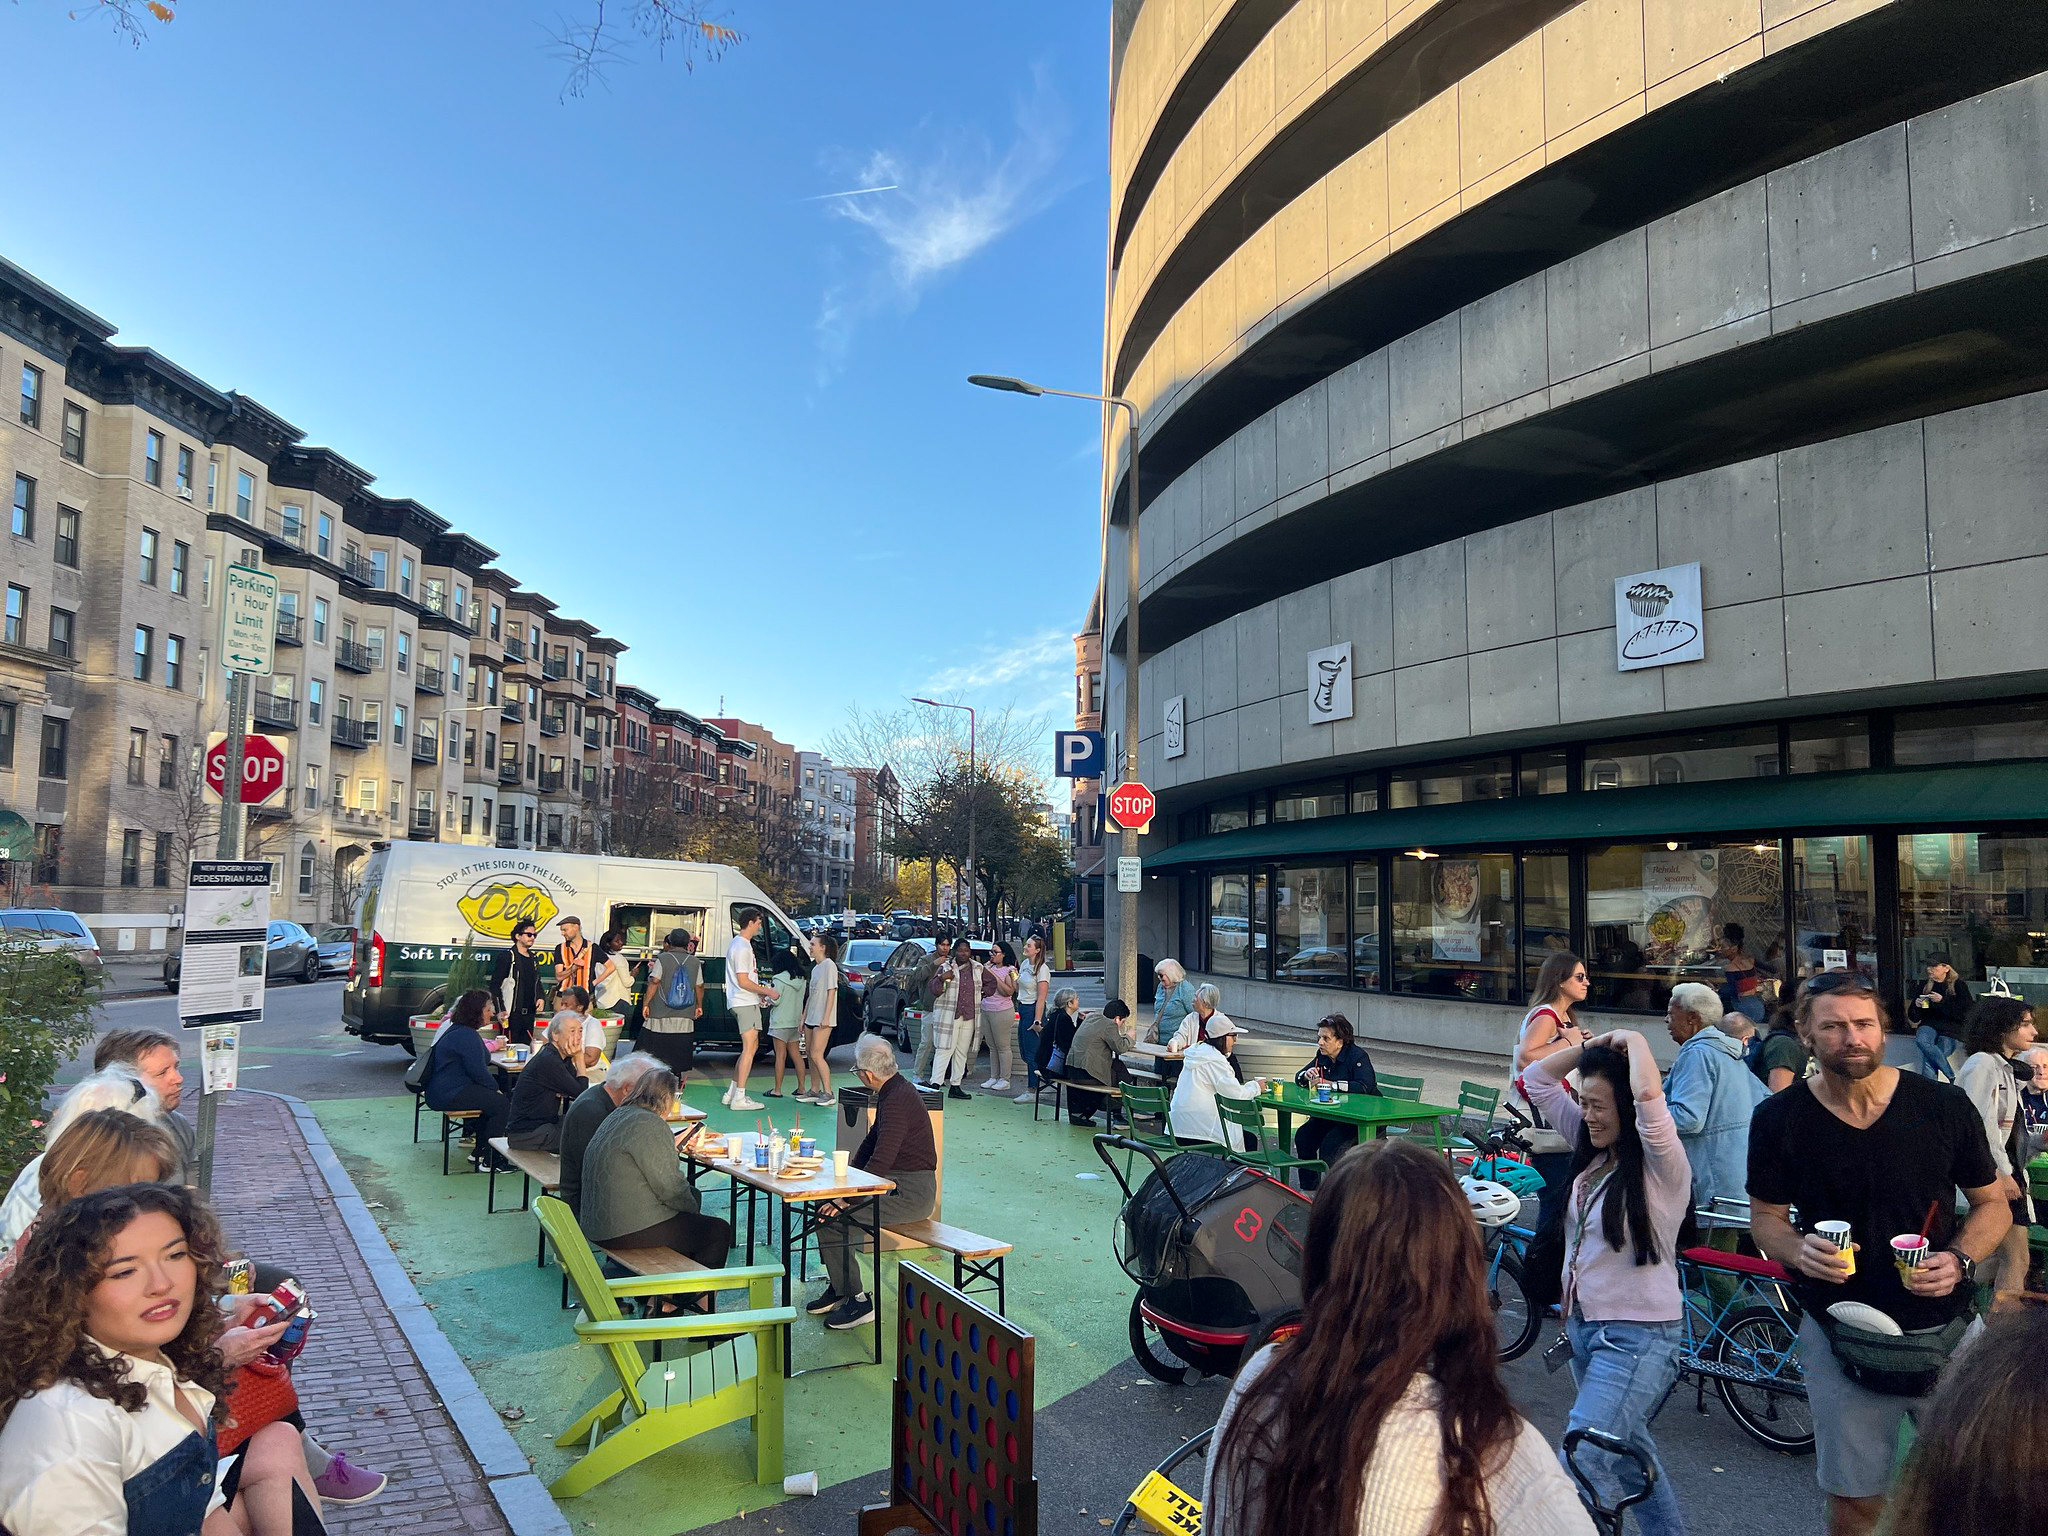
[(732, 1098)]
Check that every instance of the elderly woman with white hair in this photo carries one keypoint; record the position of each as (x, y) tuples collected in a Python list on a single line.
[(1712, 1095), (1176, 1000), (114, 1088), (1201, 1019), (634, 1194), (549, 1083), (900, 1147)]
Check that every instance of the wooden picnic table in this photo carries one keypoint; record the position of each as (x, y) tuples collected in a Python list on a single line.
[(800, 1197), (1369, 1112)]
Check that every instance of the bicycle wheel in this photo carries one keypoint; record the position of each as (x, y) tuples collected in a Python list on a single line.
[(1151, 1350), (1516, 1320), (1757, 1340)]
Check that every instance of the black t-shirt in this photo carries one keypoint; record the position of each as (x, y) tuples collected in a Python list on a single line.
[(1927, 1144)]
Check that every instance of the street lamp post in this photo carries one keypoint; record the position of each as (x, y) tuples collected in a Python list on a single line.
[(1127, 845), (973, 796)]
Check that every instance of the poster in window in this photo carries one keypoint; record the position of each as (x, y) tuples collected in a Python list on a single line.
[(1454, 910), (1678, 904)]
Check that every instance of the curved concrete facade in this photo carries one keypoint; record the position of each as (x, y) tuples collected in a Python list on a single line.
[(1444, 316)]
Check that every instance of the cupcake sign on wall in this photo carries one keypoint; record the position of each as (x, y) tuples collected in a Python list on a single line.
[(1657, 618)]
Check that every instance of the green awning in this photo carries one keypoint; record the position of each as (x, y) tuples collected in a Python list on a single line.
[(1976, 794)]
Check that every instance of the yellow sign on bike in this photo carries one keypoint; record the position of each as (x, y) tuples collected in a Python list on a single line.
[(1166, 1508)]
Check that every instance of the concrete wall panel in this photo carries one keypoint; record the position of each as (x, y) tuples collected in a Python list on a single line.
[(1963, 195), (1987, 483), (1854, 509), (1588, 541), (1876, 635), (1358, 411), (1987, 620), (1258, 653), (1588, 687), (1424, 383), (1432, 702), (1599, 306), (1515, 688), (1362, 611), (1429, 604), (1503, 344), (1745, 662), (1510, 586), (1303, 426), (1727, 519), (1710, 264), (1840, 217)]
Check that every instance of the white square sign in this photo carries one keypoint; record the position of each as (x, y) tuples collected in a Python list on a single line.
[(1329, 684), (1658, 620), (1130, 875)]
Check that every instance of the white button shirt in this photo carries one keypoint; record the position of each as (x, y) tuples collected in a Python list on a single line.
[(64, 1454)]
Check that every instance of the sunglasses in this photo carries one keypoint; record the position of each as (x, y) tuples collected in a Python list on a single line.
[(1837, 981)]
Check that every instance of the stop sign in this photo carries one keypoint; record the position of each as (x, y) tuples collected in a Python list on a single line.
[(1132, 806), (264, 769)]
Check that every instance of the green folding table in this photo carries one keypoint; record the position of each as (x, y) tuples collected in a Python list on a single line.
[(1369, 1112)]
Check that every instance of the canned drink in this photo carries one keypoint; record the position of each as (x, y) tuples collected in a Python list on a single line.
[(241, 1276)]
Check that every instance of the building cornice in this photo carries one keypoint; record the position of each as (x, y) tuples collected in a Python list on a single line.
[(255, 428), (321, 471)]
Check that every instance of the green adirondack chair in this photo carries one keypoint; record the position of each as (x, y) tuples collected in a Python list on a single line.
[(659, 1404), (1248, 1116)]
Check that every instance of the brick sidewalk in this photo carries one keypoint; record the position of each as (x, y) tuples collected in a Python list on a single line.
[(361, 1387)]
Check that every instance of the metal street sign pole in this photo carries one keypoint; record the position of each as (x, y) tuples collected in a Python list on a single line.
[(229, 847)]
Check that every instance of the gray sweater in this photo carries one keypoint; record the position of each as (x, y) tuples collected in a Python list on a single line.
[(632, 1178)]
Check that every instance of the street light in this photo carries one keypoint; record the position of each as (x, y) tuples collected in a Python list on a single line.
[(973, 795), (1127, 902)]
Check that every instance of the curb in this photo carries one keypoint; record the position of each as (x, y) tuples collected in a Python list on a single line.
[(523, 1499)]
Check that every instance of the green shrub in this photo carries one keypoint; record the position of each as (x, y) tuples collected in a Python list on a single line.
[(471, 969), (46, 1009)]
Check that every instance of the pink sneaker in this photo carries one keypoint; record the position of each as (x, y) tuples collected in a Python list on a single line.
[(346, 1483)]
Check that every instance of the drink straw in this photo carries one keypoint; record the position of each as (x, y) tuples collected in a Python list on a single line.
[(1928, 1225)]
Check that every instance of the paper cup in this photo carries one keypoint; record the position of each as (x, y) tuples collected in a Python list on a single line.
[(1837, 1232), (800, 1482), (1909, 1251), (807, 1147), (841, 1161)]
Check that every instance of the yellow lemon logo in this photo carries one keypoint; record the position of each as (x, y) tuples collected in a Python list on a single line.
[(495, 907)]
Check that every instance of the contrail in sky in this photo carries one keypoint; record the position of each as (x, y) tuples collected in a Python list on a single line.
[(850, 192)]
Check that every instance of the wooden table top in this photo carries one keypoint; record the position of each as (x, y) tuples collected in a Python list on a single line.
[(822, 1185)]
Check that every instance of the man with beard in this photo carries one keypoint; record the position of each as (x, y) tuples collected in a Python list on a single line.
[(1885, 1151)]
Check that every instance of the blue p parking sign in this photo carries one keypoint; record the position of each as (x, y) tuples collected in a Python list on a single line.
[(1078, 754)]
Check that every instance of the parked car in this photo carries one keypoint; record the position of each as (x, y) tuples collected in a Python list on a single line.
[(862, 960), (337, 948), (289, 951), (52, 928), (886, 997)]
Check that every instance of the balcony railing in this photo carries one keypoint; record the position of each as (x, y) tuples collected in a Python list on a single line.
[(550, 726), (428, 680), (508, 773), (590, 688), (424, 825), (426, 749), (509, 710), (552, 670), (550, 780), (515, 649), (591, 736), (357, 568), (441, 604), (275, 709), (353, 656), (289, 531), (508, 837), (349, 733), (288, 630)]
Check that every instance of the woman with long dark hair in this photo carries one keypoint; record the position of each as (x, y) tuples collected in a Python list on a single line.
[(1551, 1025), (1385, 1414), (1995, 1031), (459, 1072), (1969, 1470), (1630, 1192)]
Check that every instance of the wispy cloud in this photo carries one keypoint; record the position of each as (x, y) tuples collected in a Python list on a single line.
[(1006, 664), (937, 206)]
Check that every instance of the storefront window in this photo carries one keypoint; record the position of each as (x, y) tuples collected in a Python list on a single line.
[(1981, 899), (1230, 924), (1365, 926), (1228, 818), (1546, 911), (1262, 925), (1977, 733), (1545, 773), (1830, 746), (1833, 907), (1308, 801), (1310, 925), (1688, 759), (1454, 926), (1365, 794), (1486, 778), (1705, 912)]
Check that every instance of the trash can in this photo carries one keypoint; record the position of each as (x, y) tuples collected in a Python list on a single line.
[(857, 1114)]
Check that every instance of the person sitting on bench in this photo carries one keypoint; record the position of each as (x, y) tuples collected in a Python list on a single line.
[(1101, 1038), (899, 1147), (634, 1193), (552, 1080)]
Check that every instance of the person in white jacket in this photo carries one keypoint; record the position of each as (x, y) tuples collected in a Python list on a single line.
[(1995, 1031), (1208, 1005), (1206, 1075)]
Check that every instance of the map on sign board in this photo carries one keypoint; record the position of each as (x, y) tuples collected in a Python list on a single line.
[(227, 920)]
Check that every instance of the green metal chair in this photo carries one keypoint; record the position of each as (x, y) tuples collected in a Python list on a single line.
[(1477, 1105), (659, 1404), (1393, 1087), (1248, 1117)]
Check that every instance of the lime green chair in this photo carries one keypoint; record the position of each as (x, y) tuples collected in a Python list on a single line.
[(1248, 1118), (660, 1404)]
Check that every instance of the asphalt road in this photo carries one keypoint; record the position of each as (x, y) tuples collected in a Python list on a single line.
[(1107, 1433)]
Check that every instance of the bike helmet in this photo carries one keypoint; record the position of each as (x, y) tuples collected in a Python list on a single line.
[(1519, 1177), (1493, 1205)]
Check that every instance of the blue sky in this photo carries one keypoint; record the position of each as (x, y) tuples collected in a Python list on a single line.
[(624, 339)]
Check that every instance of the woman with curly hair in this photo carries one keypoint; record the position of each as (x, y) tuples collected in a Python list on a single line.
[(1385, 1414), (109, 1381), (1995, 1031)]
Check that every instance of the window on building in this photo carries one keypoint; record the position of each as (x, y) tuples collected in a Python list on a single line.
[(212, 481), (1230, 926), (153, 457), (312, 786), (1311, 924), (373, 720), (1545, 773), (145, 651), (1829, 746), (497, 618), (366, 795), (398, 725), (373, 642), (1972, 733), (167, 762), (31, 395), (184, 480), (1365, 925), (380, 569), (291, 523), (1483, 778), (138, 755), (1307, 801), (63, 632), (323, 536), (174, 661), (1981, 899), (160, 862), (1454, 926), (9, 719), (1695, 757), (74, 432), (319, 621), (1658, 915), (404, 657), (423, 809), (146, 556), (316, 698), (468, 814), (56, 747), (181, 560), (405, 571), (67, 537), (1228, 818), (245, 496), (131, 858), (1834, 907), (306, 861), (16, 632), (206, 581), (23, 524)]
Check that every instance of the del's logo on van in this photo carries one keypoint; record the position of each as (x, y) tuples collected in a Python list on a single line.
[(496, 905)]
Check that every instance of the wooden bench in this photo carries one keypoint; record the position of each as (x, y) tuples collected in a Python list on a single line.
[(450, 1118), (1059, 1086), (543, 1168), (976, 1259), (648, 1261)]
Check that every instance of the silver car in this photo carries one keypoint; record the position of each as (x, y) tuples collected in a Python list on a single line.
[(51, 928)]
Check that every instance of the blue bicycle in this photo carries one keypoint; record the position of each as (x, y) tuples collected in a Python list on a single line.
[(1516, 1320)]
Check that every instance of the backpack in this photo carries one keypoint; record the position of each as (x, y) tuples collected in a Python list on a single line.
[(679, 993)]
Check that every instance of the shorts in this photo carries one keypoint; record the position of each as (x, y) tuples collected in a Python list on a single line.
[(1855, 1430), (788, 1034), (747, 1020)]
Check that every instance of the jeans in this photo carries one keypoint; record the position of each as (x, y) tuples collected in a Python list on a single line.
[(1936, 1049), (843, 1239), (1027, 1043), (1623, 1371)]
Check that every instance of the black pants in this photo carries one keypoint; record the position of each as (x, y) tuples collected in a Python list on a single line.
[(538, 1138), (1081, 1104), (677, 1052), (706, 1239), (491, 1105), (1325, 1140), (1556, 1168)]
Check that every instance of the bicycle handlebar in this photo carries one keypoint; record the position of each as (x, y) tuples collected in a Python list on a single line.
[(1600, 1440), (1103, 1146)]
